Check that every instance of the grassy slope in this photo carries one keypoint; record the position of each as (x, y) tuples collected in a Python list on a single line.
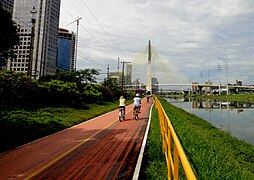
[(19, 127), (214, 154), (155, 164)]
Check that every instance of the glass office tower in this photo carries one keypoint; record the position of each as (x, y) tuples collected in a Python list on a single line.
[(66, 49), (44, 47), (7, 4)]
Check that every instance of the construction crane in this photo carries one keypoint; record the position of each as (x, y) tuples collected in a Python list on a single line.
[(76, 45)]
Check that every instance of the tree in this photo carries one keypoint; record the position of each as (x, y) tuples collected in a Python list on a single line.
[(16, 89), (111, 89), (83, 76), (86, 76), (8, 36)]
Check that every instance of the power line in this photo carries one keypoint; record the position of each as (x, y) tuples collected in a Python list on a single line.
[(92, 35), (103, 28), (82, 57), (107, 48), (87, 59), (95, 29)]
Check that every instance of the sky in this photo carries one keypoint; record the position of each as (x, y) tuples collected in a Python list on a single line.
[(194, 40)]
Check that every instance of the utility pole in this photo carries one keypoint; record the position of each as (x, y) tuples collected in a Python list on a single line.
[(219, 68), (30, 63), (76, 45), (227, 76), (108, 72), (118, 65), (123, 62), (118, 74), (201, 77)]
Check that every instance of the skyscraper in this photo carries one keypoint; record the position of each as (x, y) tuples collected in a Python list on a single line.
[(66, 49), (128, 80), (45, 14)]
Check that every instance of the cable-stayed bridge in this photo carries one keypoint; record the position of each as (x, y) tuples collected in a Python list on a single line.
[(148, 64)]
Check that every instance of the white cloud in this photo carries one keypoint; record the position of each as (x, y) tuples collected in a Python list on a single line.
[(189, 35)]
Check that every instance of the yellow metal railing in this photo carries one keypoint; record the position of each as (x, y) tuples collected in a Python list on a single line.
[(171, 147)]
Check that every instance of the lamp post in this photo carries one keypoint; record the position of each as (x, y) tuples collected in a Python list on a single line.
[(30, 63)]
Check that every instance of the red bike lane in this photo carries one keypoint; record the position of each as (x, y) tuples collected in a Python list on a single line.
[(101, 148)]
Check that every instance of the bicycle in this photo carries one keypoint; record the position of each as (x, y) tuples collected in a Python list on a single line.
[(121, 114), (136, 111)]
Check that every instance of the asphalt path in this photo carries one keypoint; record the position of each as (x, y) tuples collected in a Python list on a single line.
[(101, 148)]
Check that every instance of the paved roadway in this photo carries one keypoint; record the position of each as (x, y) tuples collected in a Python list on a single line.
[(101, 148)]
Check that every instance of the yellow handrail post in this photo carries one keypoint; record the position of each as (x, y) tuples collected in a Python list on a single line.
[(169, 152), (169, 138), (176, 157)]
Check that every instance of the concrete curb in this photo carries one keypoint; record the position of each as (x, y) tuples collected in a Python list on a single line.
[(141, 153)]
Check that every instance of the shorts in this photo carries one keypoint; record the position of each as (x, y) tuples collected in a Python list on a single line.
[(136, 107), (121, 108)]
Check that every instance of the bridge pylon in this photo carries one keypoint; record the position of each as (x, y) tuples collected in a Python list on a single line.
[(149, 71)]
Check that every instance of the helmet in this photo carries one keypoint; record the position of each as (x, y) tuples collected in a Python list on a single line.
[(137, 95)]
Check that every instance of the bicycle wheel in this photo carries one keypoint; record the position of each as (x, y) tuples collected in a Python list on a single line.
[(120, 115), (136, 114)]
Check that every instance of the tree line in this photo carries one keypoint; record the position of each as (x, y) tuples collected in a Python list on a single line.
[(64, 89)]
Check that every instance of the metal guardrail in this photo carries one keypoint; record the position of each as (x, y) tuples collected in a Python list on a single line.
[(171, 147)]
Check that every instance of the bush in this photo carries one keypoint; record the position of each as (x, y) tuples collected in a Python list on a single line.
[(19, 91), (16, 89), (57, 93)]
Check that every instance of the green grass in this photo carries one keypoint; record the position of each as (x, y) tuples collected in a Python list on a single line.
[(213, 153), (20, 126), (155, 165)]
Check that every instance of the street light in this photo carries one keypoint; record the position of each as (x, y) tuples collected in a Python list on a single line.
[(30, 63)]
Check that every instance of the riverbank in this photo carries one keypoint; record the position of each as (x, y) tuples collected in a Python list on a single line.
[(213, 153), (232, 97)]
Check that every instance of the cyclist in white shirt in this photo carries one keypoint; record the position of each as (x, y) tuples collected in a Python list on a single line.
[(137, 103)]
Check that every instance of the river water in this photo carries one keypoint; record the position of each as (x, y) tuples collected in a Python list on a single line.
[(235, 118)]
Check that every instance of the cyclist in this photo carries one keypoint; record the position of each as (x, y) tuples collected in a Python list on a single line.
[(122, 104), (137, 104), (148, 95)]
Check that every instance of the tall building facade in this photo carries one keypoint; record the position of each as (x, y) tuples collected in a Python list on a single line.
[(7, 4), (44, 47), (155, 86), (66, 50), (128, 80)]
